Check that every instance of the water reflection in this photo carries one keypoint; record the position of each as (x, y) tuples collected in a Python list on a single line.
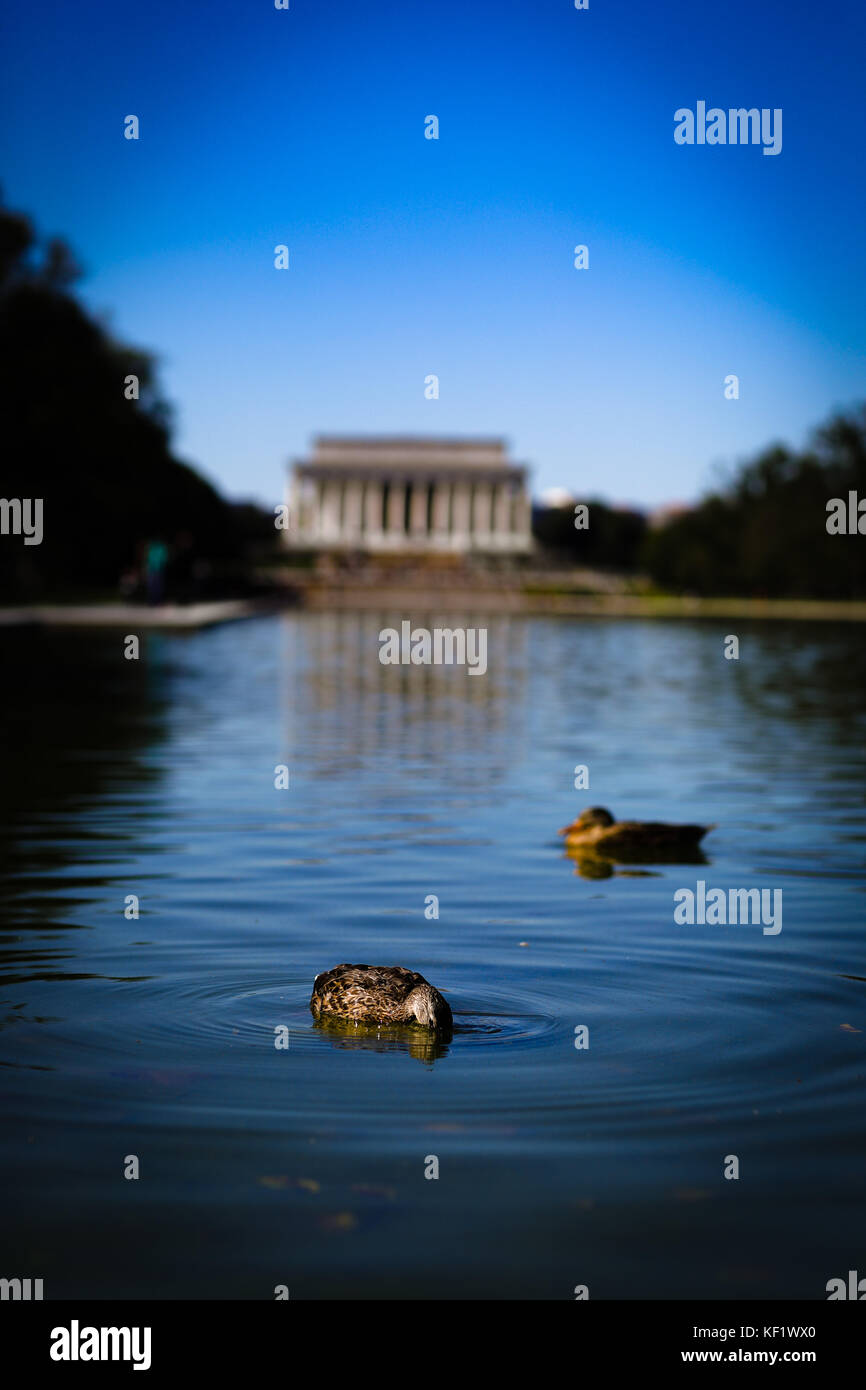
[(157, 778), (404, 717), (421, 1043), (78, 729), (591, 863)]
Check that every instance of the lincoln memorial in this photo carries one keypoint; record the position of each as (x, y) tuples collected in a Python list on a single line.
[(417, 495)]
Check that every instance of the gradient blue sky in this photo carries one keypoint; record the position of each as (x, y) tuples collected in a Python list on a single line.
[(411, 256)]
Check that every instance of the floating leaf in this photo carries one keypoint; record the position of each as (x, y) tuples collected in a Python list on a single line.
[(369, 1190), (339, 1221), (280, 1181)]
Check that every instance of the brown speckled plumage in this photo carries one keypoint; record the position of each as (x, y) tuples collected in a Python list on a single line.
[(597, 830), (379, 994)]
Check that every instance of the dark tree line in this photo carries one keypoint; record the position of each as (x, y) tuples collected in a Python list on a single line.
[(612, 540), (765, 534), (102, 463)]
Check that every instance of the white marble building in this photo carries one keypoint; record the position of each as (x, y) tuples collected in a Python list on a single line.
[(421, 495)]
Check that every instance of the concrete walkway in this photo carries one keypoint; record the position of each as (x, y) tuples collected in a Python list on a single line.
[(133, 616)]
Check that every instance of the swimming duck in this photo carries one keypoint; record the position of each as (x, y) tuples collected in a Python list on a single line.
[(380, 994), (595, 829)]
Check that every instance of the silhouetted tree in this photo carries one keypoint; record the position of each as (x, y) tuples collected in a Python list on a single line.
[(101, 462), (611, 541), (766, 533)]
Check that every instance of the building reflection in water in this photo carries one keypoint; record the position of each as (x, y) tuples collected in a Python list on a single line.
[(344, 707)]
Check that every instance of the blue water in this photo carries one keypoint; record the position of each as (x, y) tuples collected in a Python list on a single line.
[(305, 1167)]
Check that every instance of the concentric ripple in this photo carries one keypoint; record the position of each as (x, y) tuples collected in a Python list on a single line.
[(234, 1014)]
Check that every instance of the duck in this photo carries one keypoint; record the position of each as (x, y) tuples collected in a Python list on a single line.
[(597, 832), (380, 994)]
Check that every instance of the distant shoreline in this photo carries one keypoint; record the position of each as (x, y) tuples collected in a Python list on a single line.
[(329, 597), (521, 603)]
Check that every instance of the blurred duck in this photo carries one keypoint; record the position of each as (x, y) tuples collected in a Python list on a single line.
[(380, 994), (595, 831)]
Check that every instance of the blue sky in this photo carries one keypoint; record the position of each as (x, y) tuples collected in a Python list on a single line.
[(454, 257)]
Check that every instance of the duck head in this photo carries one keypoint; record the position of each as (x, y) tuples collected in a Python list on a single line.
[(425, 1005), (594, 815)]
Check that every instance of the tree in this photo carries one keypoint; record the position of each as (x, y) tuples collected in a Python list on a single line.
[(100, 461), (766, 533), (611, 540)]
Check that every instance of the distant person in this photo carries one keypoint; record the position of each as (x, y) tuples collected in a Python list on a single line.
[(155, 561)]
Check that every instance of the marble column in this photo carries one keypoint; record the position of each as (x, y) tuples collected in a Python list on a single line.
[(317, 507), (502, 515), (522, 520), (481, 513), (352, 511), (330, 513), (462, 503), (442, 513), (396, 520), (418, 510), (373, 513)]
